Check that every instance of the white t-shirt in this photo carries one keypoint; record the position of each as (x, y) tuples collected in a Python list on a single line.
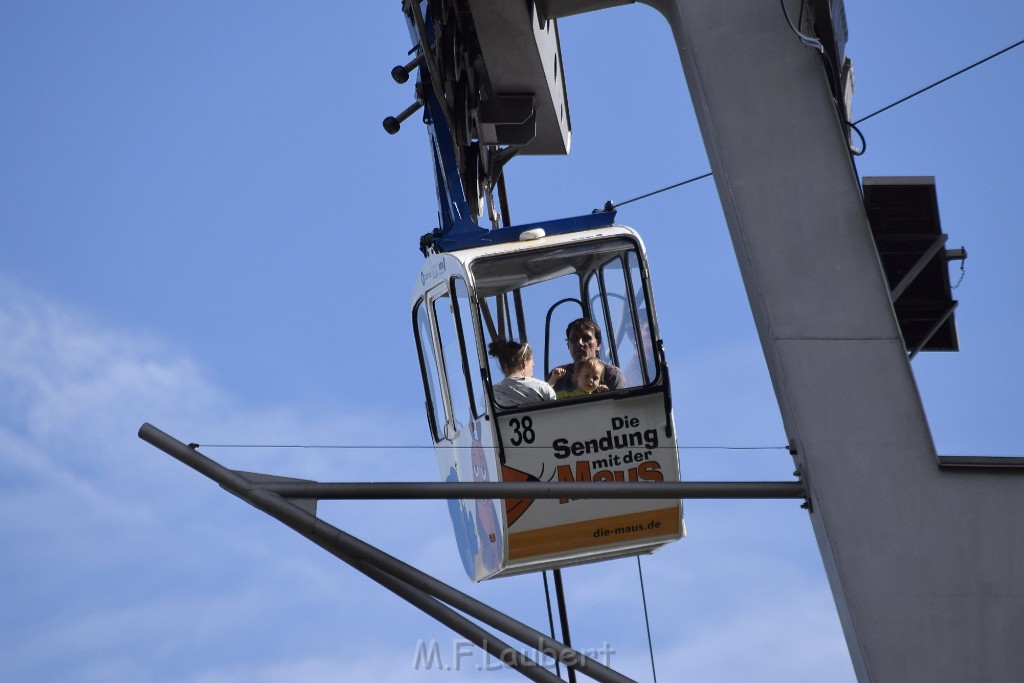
[(515, 391)]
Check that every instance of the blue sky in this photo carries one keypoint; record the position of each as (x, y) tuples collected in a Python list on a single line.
[(204, 226)]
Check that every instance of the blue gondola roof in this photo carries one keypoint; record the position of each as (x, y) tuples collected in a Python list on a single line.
[(466, 234)]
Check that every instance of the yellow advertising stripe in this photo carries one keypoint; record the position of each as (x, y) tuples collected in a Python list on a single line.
[(634, 527)]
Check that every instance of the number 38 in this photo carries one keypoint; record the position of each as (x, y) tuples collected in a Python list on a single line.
[(522, 430)]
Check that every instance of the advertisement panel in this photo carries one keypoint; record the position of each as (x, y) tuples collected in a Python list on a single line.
[(626, 439)]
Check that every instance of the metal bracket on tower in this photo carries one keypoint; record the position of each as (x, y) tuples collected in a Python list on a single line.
[(904, 217)]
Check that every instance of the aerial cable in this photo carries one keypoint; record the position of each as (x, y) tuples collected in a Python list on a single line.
[(941, 81), (647, 621), (563, 617), (611, 205), (551, 619), (853, 125), (416, 447)]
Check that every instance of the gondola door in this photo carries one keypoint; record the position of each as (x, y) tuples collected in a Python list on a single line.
[(450, 364)]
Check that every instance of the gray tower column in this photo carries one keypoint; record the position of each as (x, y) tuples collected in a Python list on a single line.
[(926, 564)]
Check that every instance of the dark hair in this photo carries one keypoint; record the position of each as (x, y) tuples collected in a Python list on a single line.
[(511, 354), (581, 324)]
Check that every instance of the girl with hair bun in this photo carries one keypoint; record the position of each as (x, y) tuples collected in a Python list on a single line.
[(519, 385)]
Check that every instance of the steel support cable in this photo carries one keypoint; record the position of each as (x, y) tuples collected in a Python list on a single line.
[(647, 621), (563, 616), (362, 556), (551, 618), (434, 447), (853, 125), (940, 82), (664, 189)]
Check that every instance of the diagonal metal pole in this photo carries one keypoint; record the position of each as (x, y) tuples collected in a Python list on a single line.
[(412, 584)]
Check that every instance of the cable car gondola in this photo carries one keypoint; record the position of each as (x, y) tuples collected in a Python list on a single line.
[(528, 283)]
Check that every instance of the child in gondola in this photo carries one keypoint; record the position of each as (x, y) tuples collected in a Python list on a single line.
[(587, 377), (519, 385)]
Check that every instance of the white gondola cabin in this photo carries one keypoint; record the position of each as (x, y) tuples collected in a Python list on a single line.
[(529, 287)]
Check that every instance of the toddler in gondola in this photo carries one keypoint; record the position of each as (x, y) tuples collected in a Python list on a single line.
[(587, 377)]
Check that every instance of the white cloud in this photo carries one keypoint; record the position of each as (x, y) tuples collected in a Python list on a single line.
[(69, 378), (119, 557)]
